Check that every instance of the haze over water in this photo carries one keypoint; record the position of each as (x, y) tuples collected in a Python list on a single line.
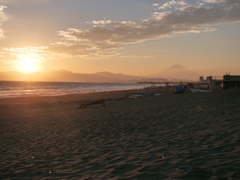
[(10, 89)]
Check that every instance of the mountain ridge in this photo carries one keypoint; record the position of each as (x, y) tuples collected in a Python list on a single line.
[(175, 72), (67, 76)]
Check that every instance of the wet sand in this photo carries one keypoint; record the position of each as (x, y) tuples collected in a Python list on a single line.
[(78, 97), (172, 136)]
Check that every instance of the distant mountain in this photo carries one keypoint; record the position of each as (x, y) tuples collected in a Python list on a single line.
[(68, 76), (116, 77), (18, 76), (176, 73)]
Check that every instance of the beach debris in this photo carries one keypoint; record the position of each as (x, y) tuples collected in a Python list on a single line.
[(50, 172), (137, 95), (194, 90), (132, 97), (102, 101), (163, 157)]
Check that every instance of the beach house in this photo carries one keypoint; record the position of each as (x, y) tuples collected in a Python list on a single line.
[(228, 81), (231, 81)]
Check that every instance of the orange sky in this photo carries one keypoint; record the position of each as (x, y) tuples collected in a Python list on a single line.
[(134, 38)]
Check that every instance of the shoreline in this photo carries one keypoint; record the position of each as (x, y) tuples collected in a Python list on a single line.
[(91, 96)]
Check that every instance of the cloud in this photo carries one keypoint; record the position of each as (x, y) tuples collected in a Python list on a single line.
[(3, 18), (63, 48), (171, 18), (10, 57), (222, 1), (172, 3), (1, 32), (22, 1), (82, 49), (132, 56), (203, 16), (192, 19), (13, 52), (160, 15), (108, 34), (103, 22), (2, 15)]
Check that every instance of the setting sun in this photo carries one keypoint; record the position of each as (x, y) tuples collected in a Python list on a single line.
[(28, 62), (28, 65)]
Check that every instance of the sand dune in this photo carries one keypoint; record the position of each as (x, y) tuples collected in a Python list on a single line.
[(173, 136)]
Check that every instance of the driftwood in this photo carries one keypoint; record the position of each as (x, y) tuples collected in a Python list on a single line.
[(102, 101)]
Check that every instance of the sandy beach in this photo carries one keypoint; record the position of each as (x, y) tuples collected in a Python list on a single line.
[(172, 136)]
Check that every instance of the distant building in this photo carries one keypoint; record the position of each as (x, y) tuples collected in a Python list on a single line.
[(231, 81), (228, 81), (208, 80)]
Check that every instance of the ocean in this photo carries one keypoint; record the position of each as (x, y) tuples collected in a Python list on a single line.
[(11, 89)]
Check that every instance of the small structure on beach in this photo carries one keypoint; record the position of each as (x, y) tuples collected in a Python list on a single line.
[(231, 81), (210, 83), (228, 81), (207, 80)]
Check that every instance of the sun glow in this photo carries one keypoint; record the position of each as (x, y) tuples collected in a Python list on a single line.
[(28, 62), (28, 65)]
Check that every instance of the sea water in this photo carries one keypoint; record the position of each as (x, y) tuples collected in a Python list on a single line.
[(10, 89)]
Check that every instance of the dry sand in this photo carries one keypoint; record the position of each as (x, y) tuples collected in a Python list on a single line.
[(172, 136)]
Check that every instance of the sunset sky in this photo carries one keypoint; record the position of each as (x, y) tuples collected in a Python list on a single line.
[(133, 37)]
